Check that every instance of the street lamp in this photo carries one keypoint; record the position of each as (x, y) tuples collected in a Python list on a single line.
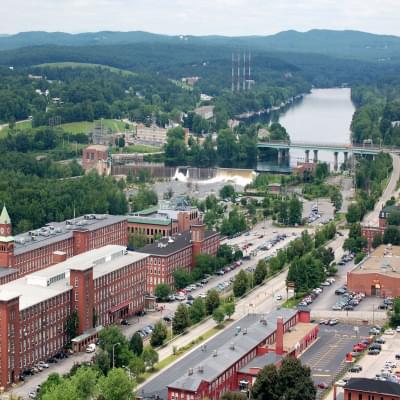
[(113, 353)]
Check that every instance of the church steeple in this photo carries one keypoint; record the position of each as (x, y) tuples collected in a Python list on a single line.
[(5, 223)]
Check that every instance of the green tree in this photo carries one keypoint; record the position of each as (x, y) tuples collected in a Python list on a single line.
[(117, 385), (394, 218), (136, 344), (266, 384), (162, 291), (392, 235), (218, 315), (260, 272), (102, 362), (85, 383), (150, 357), (136, 366), (72, 326), (113, 341), (227, 192), (144, 198), (353, 213), (182, 278), (181, 319), (240, 284), (137, 240), (54, 379), (295, 211), (212, 301), (197, 311), (234, 396), (159, 334), (229, 309)]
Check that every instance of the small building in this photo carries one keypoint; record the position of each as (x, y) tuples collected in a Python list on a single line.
[(275, 187), (303, 168), (168, 254), (206, 112), (379, 274), (95, 157), (371, 389), (385, 213), (370, 233)]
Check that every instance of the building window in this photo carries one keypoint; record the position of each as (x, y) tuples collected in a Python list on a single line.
[(349, 396)]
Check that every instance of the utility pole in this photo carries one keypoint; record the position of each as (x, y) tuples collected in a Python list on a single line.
[(113, 353)]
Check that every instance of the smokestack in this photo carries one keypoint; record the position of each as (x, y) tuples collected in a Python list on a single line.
[(279, 336), (244, 71), (238, 70)]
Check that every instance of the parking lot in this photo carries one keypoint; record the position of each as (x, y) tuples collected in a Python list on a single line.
[(326, 357)]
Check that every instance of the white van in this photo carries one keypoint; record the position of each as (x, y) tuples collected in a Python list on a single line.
[(91, 348)]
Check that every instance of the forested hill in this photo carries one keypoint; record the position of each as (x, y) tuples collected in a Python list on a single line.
[(342, 44)]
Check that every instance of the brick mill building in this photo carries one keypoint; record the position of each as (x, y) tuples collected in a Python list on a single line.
[(102, 285), (165, 220), (168, 254), (235, 365), (378, 274), (37, 249), (95, 157)]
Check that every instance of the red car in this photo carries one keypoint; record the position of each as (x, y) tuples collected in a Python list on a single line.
[(322, 385)]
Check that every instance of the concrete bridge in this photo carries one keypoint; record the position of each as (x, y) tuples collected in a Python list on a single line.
[(283, 148)]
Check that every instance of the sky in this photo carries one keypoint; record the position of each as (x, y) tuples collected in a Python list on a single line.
[(200, 17)]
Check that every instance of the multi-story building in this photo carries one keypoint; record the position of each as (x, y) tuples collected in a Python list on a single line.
[(256, 342), (101, 286), (165, 220), (168, 254), (371, 389), (31, 251), (379, 274)]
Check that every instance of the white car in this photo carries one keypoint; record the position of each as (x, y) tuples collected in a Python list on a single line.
[(43, 364), (389, 332), (398, 329), (91, 348), (340, 383), (203, 295), (278, 297)]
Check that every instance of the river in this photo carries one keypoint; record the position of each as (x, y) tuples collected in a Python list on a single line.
[(323, 116)]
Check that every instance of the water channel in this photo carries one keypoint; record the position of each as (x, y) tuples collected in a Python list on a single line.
[(323, 116)]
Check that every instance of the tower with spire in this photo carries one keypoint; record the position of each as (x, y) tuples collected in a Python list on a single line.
[(6, 240)]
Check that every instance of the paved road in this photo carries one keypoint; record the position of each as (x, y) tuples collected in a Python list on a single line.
[(373, 217)]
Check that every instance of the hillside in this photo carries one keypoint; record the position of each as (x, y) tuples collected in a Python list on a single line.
[(342, 44)]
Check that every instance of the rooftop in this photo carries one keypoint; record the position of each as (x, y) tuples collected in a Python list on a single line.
[(98, 147), (384, 260), (295, 334), (232, 350), (52, 281), (374, 386), (156, 219), (261, 361), (54, 232), (4, 217), (170, 245)]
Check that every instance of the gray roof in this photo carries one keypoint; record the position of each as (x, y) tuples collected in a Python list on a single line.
[(55, 232), (4, 271), (213, 366), (261, 361), (170, 245), (52, 281), (374, 386)]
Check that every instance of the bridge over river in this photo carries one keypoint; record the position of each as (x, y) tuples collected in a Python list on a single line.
[(283, 148)]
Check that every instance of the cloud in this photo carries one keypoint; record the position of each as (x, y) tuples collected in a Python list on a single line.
[(229, 17)]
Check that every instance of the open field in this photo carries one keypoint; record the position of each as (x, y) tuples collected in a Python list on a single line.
[(87, 65)]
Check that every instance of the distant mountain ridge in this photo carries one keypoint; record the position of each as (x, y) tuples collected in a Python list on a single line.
[(343, 44)]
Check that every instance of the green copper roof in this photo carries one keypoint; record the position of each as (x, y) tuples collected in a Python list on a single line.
[(149, 221), (147, 211), (4, 217)]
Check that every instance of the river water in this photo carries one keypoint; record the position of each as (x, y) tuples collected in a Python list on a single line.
[(323, 116)]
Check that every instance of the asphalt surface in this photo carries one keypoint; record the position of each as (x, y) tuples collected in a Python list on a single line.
[(326, 357)]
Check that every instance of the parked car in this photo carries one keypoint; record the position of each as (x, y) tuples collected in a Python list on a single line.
[(322, 385), (167, 318), (374, 352), (43, 364), (380, 340), (124, 322), (333, 322), (356, 368), (91, 348)]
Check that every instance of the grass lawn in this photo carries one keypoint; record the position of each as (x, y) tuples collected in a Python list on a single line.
[(86, 65), (86, 126), (292, 302), (20, 125), (139, 148)]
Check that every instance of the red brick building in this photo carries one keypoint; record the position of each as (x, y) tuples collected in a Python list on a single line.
[(370, 232), (235, 365), (379, 274), (163, 221), (102, 285), (31, 251), (171, 253), (95, 157), (371, 389)]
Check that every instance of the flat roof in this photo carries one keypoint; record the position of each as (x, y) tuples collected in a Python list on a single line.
[(385, 260), (296, 333), (150, 220), (170, 245), (4, 271), (54, 232), (259, 329), (99, 147), (374, 386), (261, 361), (52, 281)]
